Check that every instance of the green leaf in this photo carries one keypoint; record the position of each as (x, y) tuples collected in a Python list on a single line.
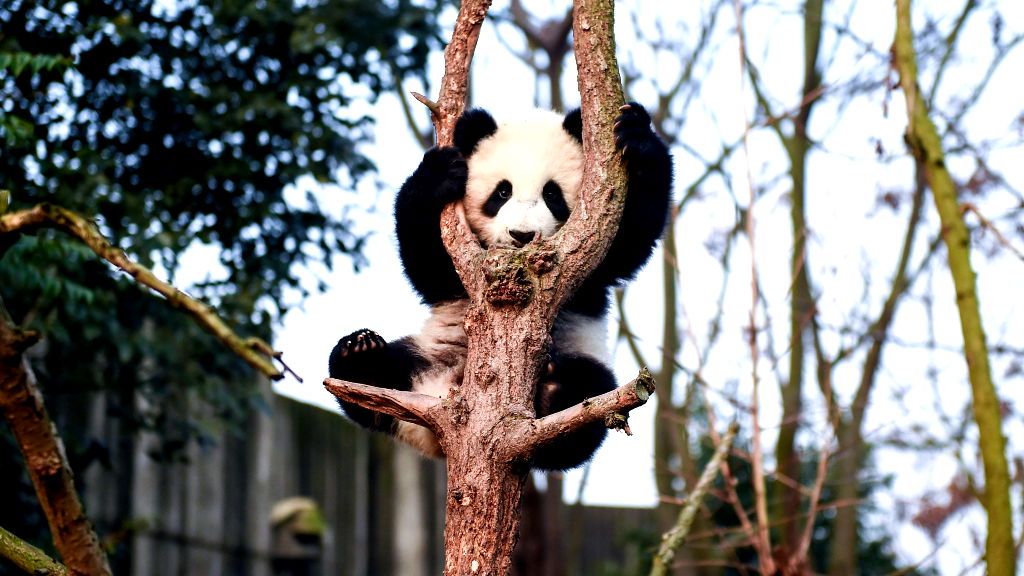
[(5, 200), (21, 59)]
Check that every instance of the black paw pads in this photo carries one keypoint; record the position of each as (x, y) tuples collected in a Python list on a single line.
[(361, 341)]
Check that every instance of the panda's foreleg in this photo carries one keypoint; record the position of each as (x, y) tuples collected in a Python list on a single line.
[(366, 358), (649, 172), (439, 180), (569, 380)]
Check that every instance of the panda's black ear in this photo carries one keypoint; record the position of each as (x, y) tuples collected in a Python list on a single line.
[(473, 126), (573, 124)]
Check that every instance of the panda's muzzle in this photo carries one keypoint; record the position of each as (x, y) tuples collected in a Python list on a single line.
[(521, 238)]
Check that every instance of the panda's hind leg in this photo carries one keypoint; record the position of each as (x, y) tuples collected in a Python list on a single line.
[(569, 380), (367, 358)]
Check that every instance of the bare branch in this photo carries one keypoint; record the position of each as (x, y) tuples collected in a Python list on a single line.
[(762, 539), (987, 224), (611, 407), (461, 245), (457, 58), (671, 540), (926, 145), (813, 506), (49, 216), (408, 406)]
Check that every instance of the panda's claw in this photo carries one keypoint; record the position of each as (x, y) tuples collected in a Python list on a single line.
[(634, 136), (360, 341)]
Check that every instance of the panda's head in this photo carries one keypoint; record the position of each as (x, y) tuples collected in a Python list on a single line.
[(524, 175)]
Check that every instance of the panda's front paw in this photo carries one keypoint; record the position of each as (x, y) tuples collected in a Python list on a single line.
[(446, 172), (359, 342), (358, 356), (633, 133)]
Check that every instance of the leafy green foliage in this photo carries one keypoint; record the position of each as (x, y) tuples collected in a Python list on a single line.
[(16, 62), (190, 124)]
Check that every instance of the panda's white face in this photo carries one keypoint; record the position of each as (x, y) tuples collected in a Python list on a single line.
[(523, 180)]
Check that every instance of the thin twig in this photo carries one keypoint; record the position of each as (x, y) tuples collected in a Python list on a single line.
[(762, 542), (731, 495), (987, 224), (800, 556)]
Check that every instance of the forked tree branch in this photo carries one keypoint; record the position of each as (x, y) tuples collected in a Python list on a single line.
[(576, 248)]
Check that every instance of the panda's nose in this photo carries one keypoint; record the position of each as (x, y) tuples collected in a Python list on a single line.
[(522, 238)]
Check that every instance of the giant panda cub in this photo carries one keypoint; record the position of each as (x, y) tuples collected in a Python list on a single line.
[(518, 182)]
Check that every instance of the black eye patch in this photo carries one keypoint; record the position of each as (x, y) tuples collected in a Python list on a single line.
[(555, 201), (502, 192)]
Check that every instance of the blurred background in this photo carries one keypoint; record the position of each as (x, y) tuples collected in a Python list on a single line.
[(249, 153)]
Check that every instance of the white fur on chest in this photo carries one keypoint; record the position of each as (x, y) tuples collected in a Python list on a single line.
[(442, 342)]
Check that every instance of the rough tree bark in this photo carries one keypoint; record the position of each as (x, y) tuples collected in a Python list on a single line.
[(22, 407), (487, 427)]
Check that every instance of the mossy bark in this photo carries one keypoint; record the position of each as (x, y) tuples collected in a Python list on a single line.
[(926, 145)]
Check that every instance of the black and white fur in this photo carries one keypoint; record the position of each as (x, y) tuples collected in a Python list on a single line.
[(518, 181)]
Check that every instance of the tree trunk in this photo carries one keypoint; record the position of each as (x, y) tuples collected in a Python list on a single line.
[(22, 407), (925, 143), (802, 306)]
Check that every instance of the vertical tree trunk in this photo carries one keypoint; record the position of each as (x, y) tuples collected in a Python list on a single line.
[(485, 485), (787, 502), (926, 145), (666, 428)]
